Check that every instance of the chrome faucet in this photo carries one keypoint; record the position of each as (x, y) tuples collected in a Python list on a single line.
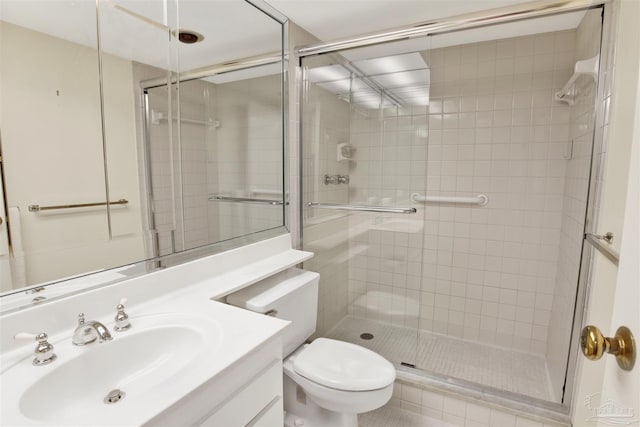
[(88, 332)]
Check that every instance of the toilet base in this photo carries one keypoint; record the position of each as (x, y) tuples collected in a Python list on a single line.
[(301, 411)]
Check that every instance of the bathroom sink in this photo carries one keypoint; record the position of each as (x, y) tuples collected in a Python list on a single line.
[(137, 367)]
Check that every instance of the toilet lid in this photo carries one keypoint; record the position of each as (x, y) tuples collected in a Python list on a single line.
[(344, 366)]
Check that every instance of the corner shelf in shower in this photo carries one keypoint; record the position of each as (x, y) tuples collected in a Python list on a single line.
[(584, 67)]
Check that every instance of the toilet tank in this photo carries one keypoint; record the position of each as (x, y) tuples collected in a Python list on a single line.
[(290, 295)]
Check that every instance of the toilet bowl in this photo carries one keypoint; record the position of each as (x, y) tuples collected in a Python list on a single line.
[(327, 383), (340, 376)]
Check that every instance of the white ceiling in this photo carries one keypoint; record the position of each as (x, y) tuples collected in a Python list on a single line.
[(233, 29), (334, 19), (331, 20)]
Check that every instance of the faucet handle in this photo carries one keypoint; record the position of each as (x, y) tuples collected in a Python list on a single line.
[(21, 336), (44, 350), (80, 319), (122, 318)]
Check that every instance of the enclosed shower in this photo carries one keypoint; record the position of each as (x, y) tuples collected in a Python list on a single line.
[(445, 183), (223, 177)]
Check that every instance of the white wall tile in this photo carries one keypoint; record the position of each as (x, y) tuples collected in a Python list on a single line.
[(459, 410), (485, 273)]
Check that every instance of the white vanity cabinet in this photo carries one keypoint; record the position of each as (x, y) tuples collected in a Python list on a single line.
[(258, 403), (248, 393)]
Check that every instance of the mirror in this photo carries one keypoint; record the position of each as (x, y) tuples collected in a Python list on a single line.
[(121, 144)]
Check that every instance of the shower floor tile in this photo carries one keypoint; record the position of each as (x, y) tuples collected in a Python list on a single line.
[(501, 368)]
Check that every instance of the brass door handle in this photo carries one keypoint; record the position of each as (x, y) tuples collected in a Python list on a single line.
[(622, 345)]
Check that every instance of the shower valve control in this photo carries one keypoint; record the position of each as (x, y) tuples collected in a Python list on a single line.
[(122, 318), (336, 179)]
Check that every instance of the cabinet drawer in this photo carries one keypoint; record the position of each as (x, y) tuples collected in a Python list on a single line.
[(271, 416), (250, 400)]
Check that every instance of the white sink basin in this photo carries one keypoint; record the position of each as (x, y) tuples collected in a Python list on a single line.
[(142, 362)]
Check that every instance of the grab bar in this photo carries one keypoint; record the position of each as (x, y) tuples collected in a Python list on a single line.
[(596, 242), (364, 208), (245, 200), (38, 208), (480, 199), (158, 116)]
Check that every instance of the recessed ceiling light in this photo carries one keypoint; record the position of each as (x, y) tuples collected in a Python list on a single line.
[(189, 37)]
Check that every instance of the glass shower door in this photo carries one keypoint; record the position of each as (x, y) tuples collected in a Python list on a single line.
[(364, 156), (485, 274)]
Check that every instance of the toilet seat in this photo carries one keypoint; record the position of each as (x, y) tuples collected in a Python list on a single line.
[(331, 399), (343, 366)]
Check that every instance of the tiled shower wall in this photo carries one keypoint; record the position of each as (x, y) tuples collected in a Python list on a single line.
[(193, 148), (390, 165), (576, 189), (326, 233), (244, 156), (166, 174), (160, 165), (488, 273), (240, 156)]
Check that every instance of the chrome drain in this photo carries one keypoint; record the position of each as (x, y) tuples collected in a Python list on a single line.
[(114, 396), (366, 336)]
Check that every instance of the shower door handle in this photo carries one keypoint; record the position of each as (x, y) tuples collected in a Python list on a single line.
[(622, 345)]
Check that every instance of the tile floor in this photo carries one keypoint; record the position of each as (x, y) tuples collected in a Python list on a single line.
[(391, 416), (501, 368)]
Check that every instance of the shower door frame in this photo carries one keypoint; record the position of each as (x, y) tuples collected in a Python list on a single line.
[(535, 9)]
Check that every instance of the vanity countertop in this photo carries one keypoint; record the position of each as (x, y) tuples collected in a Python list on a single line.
[(181, 342), (175, 346)]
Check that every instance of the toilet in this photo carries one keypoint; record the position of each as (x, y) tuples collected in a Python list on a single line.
[(327, 383)]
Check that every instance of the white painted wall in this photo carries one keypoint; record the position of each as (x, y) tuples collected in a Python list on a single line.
[(52, 147), (622, 387), (598, 381), (5, 256)]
